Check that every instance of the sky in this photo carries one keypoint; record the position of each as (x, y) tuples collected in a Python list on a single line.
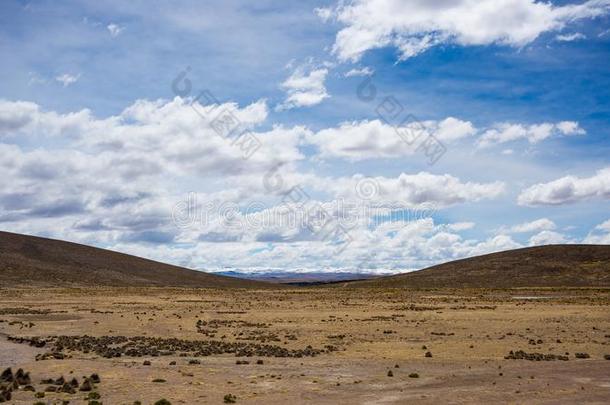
[(376, 136)]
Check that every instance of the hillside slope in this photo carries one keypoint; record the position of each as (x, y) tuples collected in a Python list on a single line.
[(30, 261), (540, 266)]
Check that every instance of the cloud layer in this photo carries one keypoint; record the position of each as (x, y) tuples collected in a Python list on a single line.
[(568, 189), (414, 26)]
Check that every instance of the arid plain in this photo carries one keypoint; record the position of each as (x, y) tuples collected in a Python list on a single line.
[(308, 345)]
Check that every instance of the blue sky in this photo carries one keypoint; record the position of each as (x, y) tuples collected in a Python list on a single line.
[(97, 147)]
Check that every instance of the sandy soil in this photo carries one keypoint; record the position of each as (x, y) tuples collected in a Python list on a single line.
[(369, 332)]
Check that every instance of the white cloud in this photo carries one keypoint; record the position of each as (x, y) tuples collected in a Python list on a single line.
[(568, 189), (305, 88), (451, 129), (67, 79), (542, 224), (495, 244), (570, 37), (365, 71), (23, 118), (410, 190), (170, 132), (414, 26), (115, 182), (461, 226), (570, 128), (507, 132), (114, 29), (604, 226), (547, 238), (117, 179), (600, 234), (375, 139)]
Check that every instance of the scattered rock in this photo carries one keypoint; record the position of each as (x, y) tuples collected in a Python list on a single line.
[(140, 346), (521, 355), (230, 399), (87, 385), (67, 388), (7, 375)]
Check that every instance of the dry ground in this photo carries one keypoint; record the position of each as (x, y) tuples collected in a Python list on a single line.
[(369, 332)]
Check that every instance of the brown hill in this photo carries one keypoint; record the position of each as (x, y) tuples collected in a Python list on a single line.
[(30, 261), (541, 266)]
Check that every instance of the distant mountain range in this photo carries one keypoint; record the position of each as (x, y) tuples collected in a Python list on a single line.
[(298, 278)]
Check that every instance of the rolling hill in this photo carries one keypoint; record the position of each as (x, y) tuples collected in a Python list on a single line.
[(30, 261), (540, 266)]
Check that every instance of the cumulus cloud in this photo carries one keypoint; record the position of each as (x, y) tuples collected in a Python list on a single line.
[(113, 178), (506, 132), (497, 243), (422, 189), (547, 238), (569, 128), (375, 139), (542, 224), (305, 88), (568, 189), (414, 26), (116, 181), (23, 118)]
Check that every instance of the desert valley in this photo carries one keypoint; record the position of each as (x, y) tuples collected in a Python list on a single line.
[(248, 342)]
